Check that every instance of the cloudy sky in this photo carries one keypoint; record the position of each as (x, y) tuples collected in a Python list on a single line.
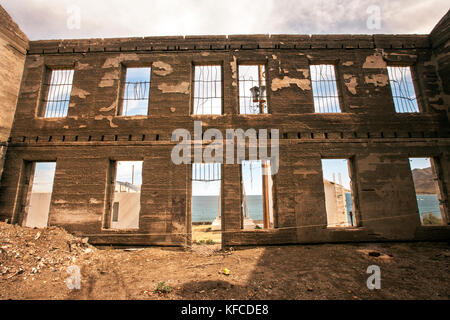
[(53, 19)]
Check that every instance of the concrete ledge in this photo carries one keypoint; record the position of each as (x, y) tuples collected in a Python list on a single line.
[(215, 42)]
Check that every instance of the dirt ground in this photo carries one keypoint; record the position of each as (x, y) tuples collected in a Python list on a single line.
[(204, 234), (34, 264)]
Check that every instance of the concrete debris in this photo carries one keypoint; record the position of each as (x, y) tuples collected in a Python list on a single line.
[(25, 251)]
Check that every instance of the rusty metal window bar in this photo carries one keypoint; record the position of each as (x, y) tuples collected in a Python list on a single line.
[(206, 172), (58, 96), (136, 92), (324, 86), (402, 88), (208, 89), (252, 89)]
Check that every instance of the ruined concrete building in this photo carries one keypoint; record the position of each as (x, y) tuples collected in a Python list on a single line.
[(86, 133)]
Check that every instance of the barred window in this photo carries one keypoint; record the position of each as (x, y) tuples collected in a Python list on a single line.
[(402, 88), (252, 89), (326, 94), (136, 92), (207, 90), (58, 93)]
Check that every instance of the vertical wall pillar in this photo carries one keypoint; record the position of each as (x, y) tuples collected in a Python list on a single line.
[(231, 201), (387, 197), (310, 211)]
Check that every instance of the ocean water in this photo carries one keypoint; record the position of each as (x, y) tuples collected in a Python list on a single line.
[(204, 208), (428, 203)]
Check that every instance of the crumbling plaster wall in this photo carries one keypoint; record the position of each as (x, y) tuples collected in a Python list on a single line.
[(13, 46), (440, 40), (377, 139)]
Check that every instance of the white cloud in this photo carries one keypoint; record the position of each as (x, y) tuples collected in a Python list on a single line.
[(47, 19)]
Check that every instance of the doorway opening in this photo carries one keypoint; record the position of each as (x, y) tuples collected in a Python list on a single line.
[(206, 203), (257, 196), (39, 194)]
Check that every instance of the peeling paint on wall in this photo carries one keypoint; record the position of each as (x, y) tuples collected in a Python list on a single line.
[(115, 61), (378, 80), (106, 109), (233, 65), (109, 118), (303, 84), (80, 93), (109, 78), (375, 61), (347, 63), (182, 87), (84, 66), (305, 72), (162, 68), (351, 83)]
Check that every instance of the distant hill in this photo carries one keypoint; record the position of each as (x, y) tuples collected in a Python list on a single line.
[(424, 181)]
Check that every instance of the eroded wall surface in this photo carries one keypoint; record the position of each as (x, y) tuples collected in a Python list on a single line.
[(13, 46), (369, 131)]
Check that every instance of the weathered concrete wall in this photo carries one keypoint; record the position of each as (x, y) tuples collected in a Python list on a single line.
[(368, 131), (13, 46), (440, 40)]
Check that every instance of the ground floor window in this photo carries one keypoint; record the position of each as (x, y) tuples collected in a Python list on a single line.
[(427, 191)]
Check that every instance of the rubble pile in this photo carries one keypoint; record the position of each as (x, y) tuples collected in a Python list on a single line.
[(27, 251)]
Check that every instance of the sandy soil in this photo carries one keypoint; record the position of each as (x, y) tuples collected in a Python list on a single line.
[(34, 263), (203, 233)]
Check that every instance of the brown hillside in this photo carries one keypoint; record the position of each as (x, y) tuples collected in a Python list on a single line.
[(424, 181)]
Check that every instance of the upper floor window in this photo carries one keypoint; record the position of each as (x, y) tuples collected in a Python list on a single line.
[(326, 94), (252, 89), (402, 87), (136, 92), (207, 89), (57, 95)]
